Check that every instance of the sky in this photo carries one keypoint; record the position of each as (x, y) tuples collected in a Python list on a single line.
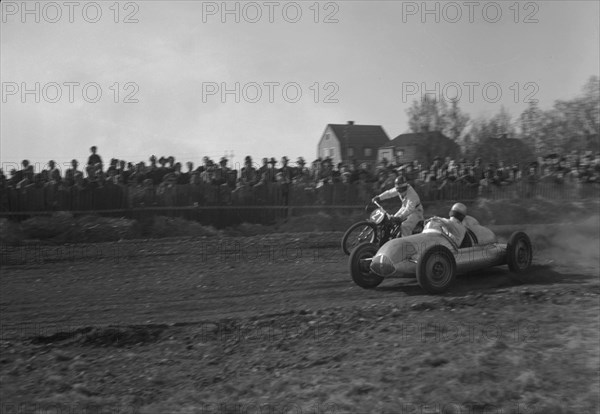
[(193, 79)]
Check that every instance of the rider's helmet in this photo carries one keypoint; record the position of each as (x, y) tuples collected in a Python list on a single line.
[(401, 184), (458, 211)]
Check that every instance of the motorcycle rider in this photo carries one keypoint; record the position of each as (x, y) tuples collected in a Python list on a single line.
[(411, 211)]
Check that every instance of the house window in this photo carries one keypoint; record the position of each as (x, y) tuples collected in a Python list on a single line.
[(331, 152), (350, 152), (326, 137), (400, 153), (368, 152)]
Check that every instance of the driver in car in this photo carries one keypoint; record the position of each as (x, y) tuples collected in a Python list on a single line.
[(457, 214), (411, 211), (453, 227)]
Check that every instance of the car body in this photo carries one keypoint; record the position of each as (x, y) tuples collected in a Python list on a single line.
[(435, 256)]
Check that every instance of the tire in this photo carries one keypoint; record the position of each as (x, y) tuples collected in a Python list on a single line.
[(358, 233), (361, 274), (436, 269), (519, 252)]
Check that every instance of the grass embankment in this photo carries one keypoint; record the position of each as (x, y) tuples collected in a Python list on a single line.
[(63, 227)]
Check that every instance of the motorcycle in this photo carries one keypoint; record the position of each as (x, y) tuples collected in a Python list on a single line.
[(379, 228)]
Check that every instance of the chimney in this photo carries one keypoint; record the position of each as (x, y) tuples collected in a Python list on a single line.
[(350, 122)]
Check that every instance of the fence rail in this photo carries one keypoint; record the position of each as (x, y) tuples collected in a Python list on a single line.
[(212, 204)]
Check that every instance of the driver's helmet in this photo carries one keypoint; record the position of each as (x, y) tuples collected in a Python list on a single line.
[(458, 211), (401, 184)]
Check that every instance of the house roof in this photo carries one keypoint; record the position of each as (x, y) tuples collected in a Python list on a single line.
[(360, 135), (416, 138)]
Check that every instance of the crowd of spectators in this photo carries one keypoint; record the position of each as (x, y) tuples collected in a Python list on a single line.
[(164, 182)]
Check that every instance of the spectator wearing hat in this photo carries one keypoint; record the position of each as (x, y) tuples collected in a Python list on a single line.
[(262, 189), (411, 174), (221, 172), (302, 190), (325, 175), (180, 178), (124, 170), (154, 171), (286, 171), (203, 167), (161, 170), (81, 193), (248, 174), (25, 172), (300, 163), (283, 178), (25, 176), (267, 171), (435, 167), (170, 164), (50, 171), (186, 176), (112, 166), (272, 170), (488, 182), (70, 173), (209, 175), (137, 174), (114, 191), (51, 188), (263, 168)]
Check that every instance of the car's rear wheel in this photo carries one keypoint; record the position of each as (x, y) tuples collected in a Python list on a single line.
[(436, 269), (519, 252), (358, 233), (360, 263)]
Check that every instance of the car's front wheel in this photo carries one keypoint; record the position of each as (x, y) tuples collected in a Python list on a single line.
[(519, 252), (360, 266), (436, 269)]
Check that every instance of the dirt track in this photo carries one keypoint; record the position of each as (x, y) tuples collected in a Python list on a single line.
[(274, 324)]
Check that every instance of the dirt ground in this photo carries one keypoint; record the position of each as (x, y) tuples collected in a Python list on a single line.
[(274, 324)]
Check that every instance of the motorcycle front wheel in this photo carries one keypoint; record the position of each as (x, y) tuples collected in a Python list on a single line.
[(357, 234)]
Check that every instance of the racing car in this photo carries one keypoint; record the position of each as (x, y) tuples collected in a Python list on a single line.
[(435, 256)]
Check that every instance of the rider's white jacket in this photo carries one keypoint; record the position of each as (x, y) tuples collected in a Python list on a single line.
[(411, 203)]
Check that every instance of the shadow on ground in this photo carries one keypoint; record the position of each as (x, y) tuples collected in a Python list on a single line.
[(488, 280)]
